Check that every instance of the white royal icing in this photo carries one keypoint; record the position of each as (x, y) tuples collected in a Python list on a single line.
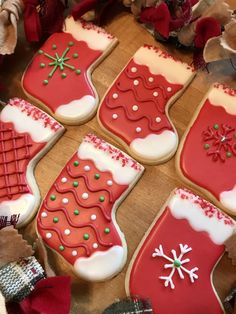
[(104, 162), (155, 146), (101, 265), (174, 71), (228, 199), (95, 37), (218, 97), (77, 109), (185, 208), (24, 206), (25, 123)]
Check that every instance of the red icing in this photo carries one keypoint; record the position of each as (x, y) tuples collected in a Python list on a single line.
[(213, 172), (82, 223), (149, 106), (61, 91), (16, 151), (187, 297)]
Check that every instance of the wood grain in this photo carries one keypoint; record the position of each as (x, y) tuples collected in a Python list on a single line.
[(142, 205)]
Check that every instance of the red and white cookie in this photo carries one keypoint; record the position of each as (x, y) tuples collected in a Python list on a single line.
[(173, 265), (207, 155), (77, 217), (59, 76), (135, 109), (26, 134)]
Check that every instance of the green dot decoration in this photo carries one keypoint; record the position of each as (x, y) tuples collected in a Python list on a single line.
[(101, 198), (78, 71), (55, 219), (216, 126), (76, 212), (97, 176), (75, 55), (45, 82), (75, 184), (54, 47), (107, 230), (63, 75), (235, 135), (42, 65), (61, 248), (177, 263), (70, 44), (229, 154), (40, 52), (53, 197), (86, 236), (206, 146), (76, 163)]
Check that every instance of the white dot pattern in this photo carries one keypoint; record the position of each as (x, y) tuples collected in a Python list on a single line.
[(155, 94), (115, 116), (74, 253), (95, 245), (115, 96), (158, 119), (85, 196), (64, 180), (134, 69), (136, 82), (135, 107), (109, 182), (44, 214), (93, 217), (65, 200), (48, 235), (86, 168), (138, 129), (67, 231)]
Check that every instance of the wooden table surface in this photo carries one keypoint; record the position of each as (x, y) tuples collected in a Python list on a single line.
[(142, 205)]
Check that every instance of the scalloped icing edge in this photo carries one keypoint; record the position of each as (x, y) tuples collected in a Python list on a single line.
[(95, 37), (162, 63)]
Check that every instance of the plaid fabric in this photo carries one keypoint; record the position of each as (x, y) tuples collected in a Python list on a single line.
[(129, 306), (18, 279)]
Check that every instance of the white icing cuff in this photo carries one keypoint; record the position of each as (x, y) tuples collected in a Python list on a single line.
[(161, 63), (78, 109), (106, 157), (219, 95), (101, 265), (24, 206), (28, 118), (185, 205), (228, 199), (95, 37), (155, 147)]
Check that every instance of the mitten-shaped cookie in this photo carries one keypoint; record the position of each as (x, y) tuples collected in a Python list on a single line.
[(135, 109), (26, 134), (173, 266), (59, 76), (77, 217), (207, 155)]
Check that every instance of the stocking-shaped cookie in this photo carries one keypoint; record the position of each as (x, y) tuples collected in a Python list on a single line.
[(26, 134), (174, 264), (207, 154), (77, 217), (59, 76), (135, 109)]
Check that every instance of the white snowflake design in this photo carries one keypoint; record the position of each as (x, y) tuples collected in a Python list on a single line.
[(176, 264)]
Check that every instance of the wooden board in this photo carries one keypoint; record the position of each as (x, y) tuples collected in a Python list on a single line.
[(142, 205)]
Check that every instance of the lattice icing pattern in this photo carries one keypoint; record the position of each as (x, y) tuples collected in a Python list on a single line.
[(210, 143), (135, 109), (63, 63), (25, 134), (77, 217), (178, 255)]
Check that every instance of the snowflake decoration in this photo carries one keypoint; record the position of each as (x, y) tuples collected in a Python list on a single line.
[(176, 263), (59, 62), (220, 142)]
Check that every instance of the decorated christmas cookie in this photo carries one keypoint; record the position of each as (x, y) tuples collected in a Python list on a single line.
[(174, 263), (59, 76), (26, 134), (135, 109), (207, 155), (77, 217)]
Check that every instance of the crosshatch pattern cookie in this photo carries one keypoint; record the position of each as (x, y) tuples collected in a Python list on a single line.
[(173, 265), (207, 155), (59, 76), (135, 109), (77, 217), (26, 134)]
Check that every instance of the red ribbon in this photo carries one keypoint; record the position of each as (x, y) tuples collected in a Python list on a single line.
[(32, 25), (50, 296)]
